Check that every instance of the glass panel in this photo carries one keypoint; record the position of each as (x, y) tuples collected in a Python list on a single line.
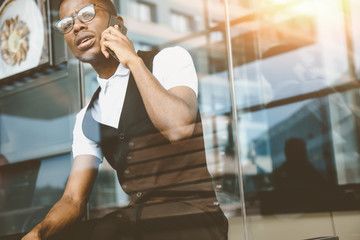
[(300, 158), (28, 190), (298, 130), (299, 53), (354, 23), (345, 138), (37, 116)]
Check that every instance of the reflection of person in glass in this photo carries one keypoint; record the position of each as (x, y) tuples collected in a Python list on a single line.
[(144, 120), (296, 171)]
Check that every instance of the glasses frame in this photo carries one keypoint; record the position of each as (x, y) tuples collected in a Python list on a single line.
[(76, 16)]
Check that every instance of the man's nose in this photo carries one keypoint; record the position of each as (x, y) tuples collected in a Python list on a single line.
[(78, 25)]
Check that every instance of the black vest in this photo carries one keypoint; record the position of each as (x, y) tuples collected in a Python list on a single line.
[(149, 166)]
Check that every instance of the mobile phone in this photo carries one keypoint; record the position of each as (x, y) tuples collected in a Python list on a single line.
[(112, 22)]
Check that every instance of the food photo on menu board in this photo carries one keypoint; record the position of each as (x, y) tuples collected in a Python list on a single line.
[(23, 36)]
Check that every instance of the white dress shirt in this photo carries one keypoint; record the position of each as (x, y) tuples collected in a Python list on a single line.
[(172, 67)]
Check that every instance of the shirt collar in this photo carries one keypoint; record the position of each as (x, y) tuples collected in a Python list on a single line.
[(120, 72)]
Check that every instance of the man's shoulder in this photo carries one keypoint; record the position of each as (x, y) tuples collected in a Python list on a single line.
[(176, 56), (173, 51)]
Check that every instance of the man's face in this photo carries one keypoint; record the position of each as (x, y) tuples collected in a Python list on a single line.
[(84, 38)]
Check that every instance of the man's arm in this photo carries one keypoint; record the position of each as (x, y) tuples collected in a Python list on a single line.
[(72, 205), (173, 112)]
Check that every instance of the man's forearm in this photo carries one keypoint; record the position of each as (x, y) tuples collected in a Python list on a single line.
[(71, 206), (62, 214)]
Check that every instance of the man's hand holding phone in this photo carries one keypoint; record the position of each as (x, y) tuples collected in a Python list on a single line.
[(114, 42)]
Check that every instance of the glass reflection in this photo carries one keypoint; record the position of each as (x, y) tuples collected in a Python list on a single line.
[(301, 157), (37, 113), (299, 53), (28, 190), (299, 146), (354, 21), (37, 122), (294, 71)]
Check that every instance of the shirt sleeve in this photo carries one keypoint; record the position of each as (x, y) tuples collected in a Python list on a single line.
[(81, 144), (174, 67)]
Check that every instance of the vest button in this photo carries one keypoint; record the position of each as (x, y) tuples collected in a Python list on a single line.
[(121, 135)]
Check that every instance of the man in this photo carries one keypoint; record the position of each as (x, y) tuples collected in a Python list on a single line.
[(144, 120)]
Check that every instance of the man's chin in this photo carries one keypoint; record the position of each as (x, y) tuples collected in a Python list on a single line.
[(90, 58)]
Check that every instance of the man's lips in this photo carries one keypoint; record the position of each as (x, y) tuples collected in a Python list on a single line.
[(84, 41)]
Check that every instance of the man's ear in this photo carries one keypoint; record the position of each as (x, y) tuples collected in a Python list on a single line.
[(120, 19)]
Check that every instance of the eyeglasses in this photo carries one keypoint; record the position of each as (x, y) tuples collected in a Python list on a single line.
[(85, 14)]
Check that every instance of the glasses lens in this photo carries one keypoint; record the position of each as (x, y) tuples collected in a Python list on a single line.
[(65, 25), (86, 14)]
